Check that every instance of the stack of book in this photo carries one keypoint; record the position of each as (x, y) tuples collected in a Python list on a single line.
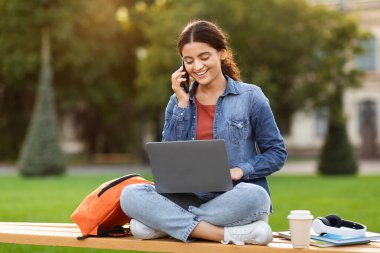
[(329, 240)]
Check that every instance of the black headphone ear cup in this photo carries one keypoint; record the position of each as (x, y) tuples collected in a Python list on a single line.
[(334, 220), (324, 221)]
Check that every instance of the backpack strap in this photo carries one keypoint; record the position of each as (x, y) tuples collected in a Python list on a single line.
[(116, 231), (116, 182)]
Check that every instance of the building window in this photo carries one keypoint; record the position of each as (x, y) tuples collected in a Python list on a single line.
[(321, 121), (367, 60)]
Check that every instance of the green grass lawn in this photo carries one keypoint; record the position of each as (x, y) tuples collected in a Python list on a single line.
[(54, 199)]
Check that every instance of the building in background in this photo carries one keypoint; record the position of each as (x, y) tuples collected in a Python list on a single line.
[(361, 105)]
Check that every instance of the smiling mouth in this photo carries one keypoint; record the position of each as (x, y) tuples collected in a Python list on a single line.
[(200, 74)]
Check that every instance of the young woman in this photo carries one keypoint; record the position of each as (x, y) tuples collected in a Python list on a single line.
[(218, 106)]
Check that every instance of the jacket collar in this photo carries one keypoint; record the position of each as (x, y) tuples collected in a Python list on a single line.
[(231, 88)]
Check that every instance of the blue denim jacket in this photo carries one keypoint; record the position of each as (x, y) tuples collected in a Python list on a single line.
[(244, 119)]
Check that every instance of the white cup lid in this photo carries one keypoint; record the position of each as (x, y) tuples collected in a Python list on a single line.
[(300, 215)]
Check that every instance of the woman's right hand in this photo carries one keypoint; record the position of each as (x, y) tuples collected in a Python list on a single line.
[(182, 96)]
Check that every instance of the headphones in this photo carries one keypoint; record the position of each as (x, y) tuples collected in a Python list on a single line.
[(333, 224)]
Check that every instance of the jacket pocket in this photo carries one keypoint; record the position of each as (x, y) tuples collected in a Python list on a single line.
[(238, 130)]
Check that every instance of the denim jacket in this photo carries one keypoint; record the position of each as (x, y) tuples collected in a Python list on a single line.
[(244, 119)]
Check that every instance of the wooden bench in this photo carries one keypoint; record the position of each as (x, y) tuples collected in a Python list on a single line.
[(64, 234)]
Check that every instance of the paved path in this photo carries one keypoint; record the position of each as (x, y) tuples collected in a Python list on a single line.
[(366, 167), (88, 169), (307, 167)]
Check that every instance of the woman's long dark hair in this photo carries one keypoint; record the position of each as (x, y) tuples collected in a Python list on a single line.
[(207, 32)]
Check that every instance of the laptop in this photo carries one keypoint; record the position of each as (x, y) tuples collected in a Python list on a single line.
[(190, 166)]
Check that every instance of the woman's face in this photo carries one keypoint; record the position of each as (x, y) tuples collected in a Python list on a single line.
[(203, 63)]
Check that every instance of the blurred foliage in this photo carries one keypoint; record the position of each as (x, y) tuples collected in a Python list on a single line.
[(279, 45), (94, 67), (113, 61), (341, 44)]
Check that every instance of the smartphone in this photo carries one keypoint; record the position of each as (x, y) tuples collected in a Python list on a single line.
[(185, 84)]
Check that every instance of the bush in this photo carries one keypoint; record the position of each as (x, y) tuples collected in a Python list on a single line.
[(337, 155), (41, 154)]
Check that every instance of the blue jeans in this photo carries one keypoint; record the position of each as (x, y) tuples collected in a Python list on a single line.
[(244, 204)]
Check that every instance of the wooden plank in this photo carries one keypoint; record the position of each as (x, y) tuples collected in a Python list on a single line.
[(41, 224), (49, 235), (40, 228)]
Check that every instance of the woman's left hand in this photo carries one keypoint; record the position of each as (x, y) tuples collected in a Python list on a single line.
[(236, 173)]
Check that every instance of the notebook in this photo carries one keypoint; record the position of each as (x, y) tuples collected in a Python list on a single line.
[(190, 166), (329, 240)]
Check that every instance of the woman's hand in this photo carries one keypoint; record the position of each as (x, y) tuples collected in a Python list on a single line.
[(182, 96), (236, 173)]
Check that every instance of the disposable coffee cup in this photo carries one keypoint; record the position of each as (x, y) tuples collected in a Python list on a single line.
[(300, 225)]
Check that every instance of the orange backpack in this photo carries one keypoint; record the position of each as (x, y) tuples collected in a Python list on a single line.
[(100, 214)]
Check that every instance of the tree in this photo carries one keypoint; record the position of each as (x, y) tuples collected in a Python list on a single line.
[(19, 64), (41, 154), (94, 71), (278, 46), (340, 46), (20, 46), (112, 95)]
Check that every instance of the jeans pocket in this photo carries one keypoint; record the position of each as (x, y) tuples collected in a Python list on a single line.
[(237, 130)]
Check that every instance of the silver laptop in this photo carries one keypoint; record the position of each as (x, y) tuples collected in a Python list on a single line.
[(190, 166)]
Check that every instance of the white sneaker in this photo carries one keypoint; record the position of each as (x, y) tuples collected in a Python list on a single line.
[(258, 232), (142, 231)]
